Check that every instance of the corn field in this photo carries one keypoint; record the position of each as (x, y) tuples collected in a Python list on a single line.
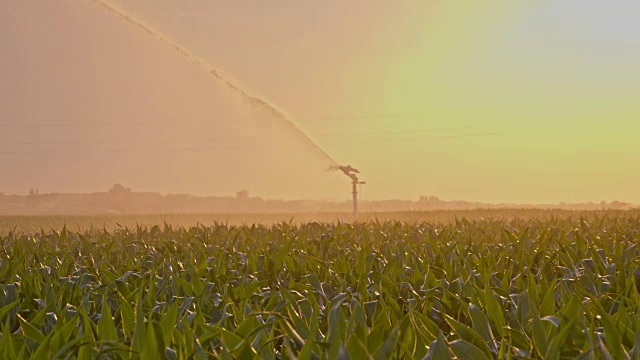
[(483, 289)]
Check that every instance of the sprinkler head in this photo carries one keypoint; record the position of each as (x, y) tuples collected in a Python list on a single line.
[(349, 169)]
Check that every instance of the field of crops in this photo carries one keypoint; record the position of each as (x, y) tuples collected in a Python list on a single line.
[(549, 288), (81, 223)]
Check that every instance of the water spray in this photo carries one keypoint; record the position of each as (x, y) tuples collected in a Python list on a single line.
[(254, 100)]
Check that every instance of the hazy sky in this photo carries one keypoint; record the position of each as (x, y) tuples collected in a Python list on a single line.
[(499, 101)]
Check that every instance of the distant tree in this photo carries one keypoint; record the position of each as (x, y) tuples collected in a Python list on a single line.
[(119, 189)]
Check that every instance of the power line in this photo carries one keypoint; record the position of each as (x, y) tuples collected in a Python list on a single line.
[(380, 133), (222, 147), (413, 139), (116, 151), (361, 117), (99, 124), (242, 138), (180, 123)]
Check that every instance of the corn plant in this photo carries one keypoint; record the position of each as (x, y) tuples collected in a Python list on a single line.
[(483, 289)]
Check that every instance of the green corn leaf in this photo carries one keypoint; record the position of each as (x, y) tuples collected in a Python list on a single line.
[(6, 309), (539, 335), (438, 350), (469, 335), (465, 350), (494, 311), (481, 326), (387, 347), (106, 327), (558, 341), (30, 331), (168, 322)]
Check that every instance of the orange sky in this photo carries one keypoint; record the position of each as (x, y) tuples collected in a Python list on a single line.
[(550, 87)]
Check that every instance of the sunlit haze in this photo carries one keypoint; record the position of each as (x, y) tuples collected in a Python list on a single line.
[(494, 101)]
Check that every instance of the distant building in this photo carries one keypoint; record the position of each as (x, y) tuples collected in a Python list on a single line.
[(242, 195)]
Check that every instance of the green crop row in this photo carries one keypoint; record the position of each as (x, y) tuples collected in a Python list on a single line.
[(487, 289)]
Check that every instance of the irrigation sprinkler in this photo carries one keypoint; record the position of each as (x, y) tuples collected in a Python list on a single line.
[(352, 173)]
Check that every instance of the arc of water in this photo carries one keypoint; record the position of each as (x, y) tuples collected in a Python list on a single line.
[(253, 99)]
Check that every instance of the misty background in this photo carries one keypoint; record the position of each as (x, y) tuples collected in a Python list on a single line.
[(494, 102)]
